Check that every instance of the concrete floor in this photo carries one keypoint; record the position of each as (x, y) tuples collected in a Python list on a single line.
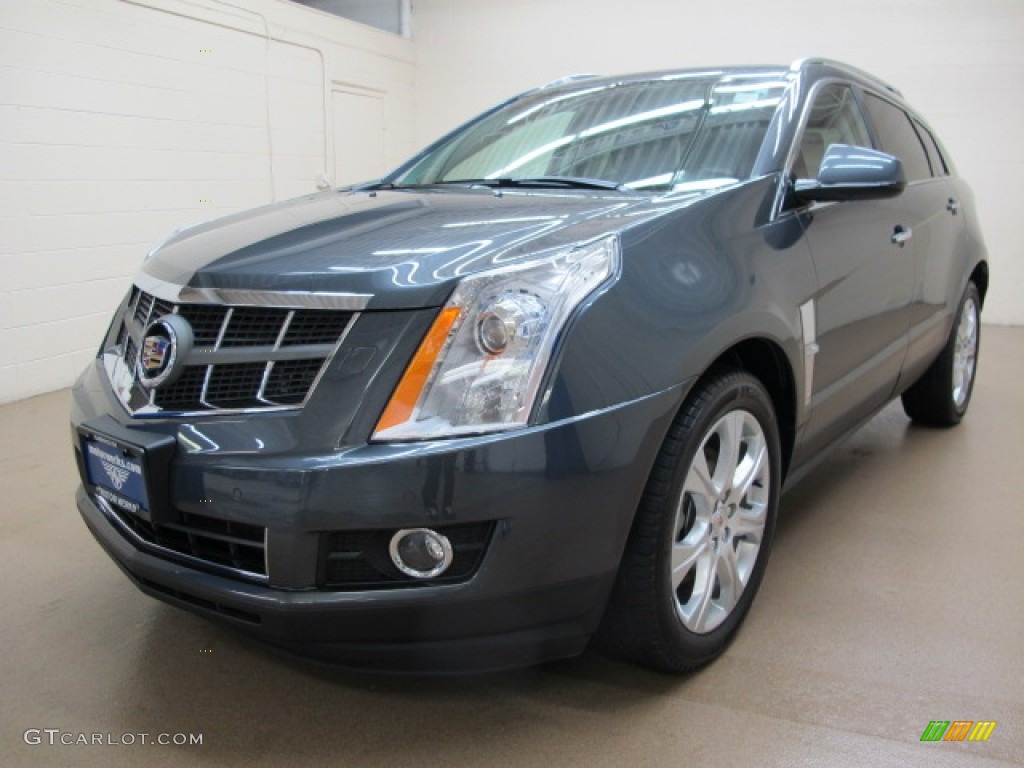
[(895, 596)]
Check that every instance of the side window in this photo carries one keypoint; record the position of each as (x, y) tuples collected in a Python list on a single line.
[(897, 136), (938, 162), (834, 118)]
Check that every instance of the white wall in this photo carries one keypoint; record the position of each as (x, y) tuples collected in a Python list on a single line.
[(121, 120), (959, 63)]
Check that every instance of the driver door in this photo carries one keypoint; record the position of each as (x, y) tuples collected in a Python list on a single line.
[(865, 280)]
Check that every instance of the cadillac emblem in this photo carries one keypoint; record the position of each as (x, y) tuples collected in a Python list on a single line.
[(154, 353), (161, 358)]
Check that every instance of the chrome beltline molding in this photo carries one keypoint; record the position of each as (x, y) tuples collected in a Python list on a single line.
[(243, 297)]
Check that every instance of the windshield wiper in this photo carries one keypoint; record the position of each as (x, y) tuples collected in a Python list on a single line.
[(383, 185), (569, 182)]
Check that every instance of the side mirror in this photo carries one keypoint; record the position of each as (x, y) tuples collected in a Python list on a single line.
[(853, 173)]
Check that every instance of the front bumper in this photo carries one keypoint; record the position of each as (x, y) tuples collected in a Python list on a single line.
[(559, 498), (450, 628)]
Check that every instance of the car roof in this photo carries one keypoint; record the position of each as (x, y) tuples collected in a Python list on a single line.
[(574, 82), (813, 66)]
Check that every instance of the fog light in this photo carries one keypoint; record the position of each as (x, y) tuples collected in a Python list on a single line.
[(420, 552)]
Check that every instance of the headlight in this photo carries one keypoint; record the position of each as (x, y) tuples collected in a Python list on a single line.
[(480, 366)]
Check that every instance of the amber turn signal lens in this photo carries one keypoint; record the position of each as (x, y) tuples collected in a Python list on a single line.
[(407, 393)]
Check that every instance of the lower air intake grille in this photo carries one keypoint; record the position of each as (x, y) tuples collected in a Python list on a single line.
[(222, 542)]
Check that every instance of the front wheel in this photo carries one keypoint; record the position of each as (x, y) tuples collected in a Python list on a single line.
[(941, 396), (703, 531)]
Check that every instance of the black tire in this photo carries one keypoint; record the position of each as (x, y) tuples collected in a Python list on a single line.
[(646, 616), (941, 396)]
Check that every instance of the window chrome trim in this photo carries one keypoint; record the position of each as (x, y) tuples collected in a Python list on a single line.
[(798, 65), (805, 116), (778, 209), (241, 297)]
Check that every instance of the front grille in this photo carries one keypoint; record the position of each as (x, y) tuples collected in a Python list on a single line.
[(184, 393), (233, 385), (223, 542), (290, 380), (251, 327), (242, 358), (147, 306), (314, 328), (360, 559), (206, 321)]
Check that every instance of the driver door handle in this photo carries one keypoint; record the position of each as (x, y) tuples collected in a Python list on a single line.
[(901, 234)]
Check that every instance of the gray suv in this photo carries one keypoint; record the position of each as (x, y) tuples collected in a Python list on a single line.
[(543, 383)]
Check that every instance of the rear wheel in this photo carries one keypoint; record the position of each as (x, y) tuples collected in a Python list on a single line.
[(703, 532), (941, 396)]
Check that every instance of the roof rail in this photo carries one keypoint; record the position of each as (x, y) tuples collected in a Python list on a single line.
[(802, 62), (568, 79)]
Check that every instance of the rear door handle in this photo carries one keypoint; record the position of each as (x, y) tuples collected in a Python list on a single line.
[(901, 234), (953, 206)]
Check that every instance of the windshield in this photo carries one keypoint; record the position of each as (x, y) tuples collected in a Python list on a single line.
[(670, 134)]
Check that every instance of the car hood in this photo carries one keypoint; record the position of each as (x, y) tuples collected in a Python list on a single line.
[(405, 249)]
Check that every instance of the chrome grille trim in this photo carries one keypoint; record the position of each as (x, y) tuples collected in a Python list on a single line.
[(223, 328), (260, 395), (206, 387), (240, 297)]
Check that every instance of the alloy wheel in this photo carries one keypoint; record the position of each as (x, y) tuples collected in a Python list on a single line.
[(720, 521), (965, 353)]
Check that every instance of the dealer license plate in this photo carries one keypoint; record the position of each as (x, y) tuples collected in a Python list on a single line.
[(117, 471)]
